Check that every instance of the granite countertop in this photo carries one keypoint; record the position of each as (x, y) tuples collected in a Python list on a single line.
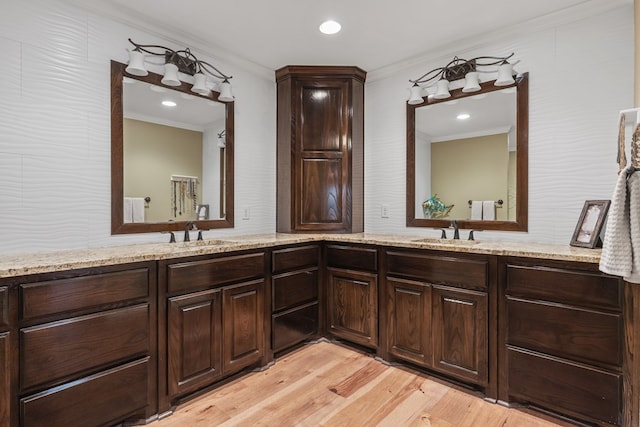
[(45, 262)]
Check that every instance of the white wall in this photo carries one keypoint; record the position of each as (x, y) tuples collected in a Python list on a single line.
[(55, 130), (581, 75)]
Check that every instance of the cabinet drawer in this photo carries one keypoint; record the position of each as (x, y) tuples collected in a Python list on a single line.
[(195, 275), (435, 269), (291, 289), (78, 293), (565, 331), (294, 326), (59, 350), (567, 286), (352, 258), (294, 258), (102, 399), (4, 307), (562, 386)]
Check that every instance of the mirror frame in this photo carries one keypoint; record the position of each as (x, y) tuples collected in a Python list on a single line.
[(522, 162), (118, 226)]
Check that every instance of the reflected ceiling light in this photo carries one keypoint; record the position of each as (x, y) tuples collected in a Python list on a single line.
[(459, 69), (168, 103), (463, 116), (179, 61), (330, 27)]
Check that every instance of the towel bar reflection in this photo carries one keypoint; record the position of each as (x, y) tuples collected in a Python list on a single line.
[(498, 203)]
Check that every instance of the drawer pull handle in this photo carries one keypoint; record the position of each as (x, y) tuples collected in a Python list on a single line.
[(458, 301)]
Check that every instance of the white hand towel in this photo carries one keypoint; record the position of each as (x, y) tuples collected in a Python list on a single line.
[(489, 210), (128, 210), (137, 211), (616, 255), (633, 187), (476, 209)]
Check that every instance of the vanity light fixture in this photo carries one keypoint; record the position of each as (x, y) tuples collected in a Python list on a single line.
[(458, 69), (179, 61)]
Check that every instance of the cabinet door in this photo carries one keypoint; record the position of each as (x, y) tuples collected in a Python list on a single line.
[(194, 336), (243, 325), (5, 383), (409, 312), (460, 340), (353, 306)]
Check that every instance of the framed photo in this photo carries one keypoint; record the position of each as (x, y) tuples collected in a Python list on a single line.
[(587, 232)]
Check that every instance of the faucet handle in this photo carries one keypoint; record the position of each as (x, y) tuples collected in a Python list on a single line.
[(199, 235), (471, 234), (444, 233)]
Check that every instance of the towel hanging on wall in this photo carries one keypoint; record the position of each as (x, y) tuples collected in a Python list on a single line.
[(476, 210), (489, 210)]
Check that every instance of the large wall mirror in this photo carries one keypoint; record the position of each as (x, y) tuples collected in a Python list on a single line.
[(171, 156), (470, 151)]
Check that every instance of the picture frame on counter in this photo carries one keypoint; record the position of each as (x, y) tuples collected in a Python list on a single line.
[(590, 223)]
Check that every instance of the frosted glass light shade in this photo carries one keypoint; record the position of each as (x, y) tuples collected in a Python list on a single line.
[(136, 64), (471, 83), (505, 75), (200, 84), (170, 75), (442, 89), (225, 92), (416, 95)]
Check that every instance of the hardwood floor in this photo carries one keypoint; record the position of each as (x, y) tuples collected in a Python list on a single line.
[(327, 384)]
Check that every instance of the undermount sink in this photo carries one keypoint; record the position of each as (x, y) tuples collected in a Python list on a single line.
[(205, 242), (437, 241)]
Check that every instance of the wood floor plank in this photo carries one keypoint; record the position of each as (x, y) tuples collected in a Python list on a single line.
[(330, 385)]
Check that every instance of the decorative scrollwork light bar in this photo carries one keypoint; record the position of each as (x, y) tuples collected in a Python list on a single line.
[(179, 61), (458, 69)]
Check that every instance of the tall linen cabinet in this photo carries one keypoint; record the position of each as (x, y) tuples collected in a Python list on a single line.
[(320, 149)]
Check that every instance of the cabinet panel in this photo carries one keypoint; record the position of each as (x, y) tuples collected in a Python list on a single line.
[(294, 258), (65, 295), (243, 325), (565, 331), (4, 307), (293, 326), (353, 258), (5, 380), (323, 113), (57, 350), (460, 333), (194, 336), (560, 385), (113, 395), (321, 202), (410, 320), (353, 306), (567, 286), (199, 275), (438, 269), (291, 289)]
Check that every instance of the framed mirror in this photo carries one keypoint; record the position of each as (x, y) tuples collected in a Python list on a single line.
[(470, 152), (171, 156)]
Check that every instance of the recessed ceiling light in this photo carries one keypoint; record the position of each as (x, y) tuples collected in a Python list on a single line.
[(463, 116), (168, 103), (330, 27)]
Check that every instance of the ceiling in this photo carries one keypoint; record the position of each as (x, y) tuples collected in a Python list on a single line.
[(375, 33)]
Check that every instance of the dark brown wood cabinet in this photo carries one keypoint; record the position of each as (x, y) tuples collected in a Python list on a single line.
[(352, 294), (437, 312), (212, 312), (294, 297), (320, 149), (562, 339), (87, 346)]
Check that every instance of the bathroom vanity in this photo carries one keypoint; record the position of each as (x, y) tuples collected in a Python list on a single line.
[(124, 334)]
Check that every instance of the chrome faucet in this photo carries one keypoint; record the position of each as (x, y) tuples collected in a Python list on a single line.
[(456, 231), (188, 226)]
